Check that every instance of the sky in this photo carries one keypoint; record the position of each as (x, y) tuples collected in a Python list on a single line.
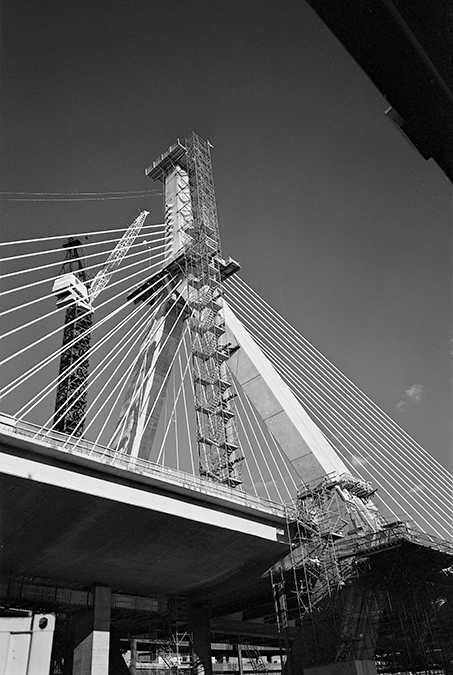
[(337, 222)]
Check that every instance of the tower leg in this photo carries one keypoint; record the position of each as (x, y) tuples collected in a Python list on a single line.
[(351, 650), (140, 413), (360, 621)]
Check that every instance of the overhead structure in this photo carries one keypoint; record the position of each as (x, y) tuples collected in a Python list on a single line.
[(403, 48), (75, 292)]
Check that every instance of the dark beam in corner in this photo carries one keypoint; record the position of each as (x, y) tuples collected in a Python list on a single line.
[(404, 47)]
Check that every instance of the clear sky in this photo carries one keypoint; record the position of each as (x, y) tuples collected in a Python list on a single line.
[(337, 222)]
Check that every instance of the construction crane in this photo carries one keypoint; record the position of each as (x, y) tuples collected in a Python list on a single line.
[(75, 292)]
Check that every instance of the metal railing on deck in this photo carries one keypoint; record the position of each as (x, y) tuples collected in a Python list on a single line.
[(391, 536), (108, 456)]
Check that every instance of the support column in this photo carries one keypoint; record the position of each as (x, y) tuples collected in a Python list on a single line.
[(133, 666), (348, 649), (92, 636), (294, 650), (199, 625), (310, 453), (240, 661), (360, 620)]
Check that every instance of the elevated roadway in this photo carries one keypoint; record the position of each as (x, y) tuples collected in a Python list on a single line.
[(82, 516)]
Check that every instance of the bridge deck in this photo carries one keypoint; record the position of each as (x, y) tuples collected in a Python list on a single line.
[(83, 516), (48, 441)]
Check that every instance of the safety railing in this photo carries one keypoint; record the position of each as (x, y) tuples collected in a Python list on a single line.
[(390, 536), (108, 456)]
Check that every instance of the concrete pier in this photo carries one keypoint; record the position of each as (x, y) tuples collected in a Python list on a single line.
[(92, 636)]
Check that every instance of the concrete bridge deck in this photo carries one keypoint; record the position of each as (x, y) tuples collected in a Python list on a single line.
[(83, 516)]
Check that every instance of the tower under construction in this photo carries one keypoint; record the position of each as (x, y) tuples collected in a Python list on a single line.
[(188, 287)]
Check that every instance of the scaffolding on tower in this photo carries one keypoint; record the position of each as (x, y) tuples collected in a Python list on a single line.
[(361, 588), (219, 455)]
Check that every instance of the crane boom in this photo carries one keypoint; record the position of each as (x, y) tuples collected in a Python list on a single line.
[(104, 275)]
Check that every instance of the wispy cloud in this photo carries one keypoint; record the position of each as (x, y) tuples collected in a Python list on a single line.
[(412, 395)]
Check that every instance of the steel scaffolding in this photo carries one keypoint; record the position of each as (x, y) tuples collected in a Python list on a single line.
[(217, 438), (386, 595)]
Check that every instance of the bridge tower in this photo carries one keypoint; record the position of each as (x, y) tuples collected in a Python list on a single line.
[(333, 504), (187, 288)]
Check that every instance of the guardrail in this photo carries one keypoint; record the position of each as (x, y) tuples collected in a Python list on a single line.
[(108, 456), (391, 535)]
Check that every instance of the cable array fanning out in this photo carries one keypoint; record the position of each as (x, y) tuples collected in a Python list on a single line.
[(32, 349), (368, 441)]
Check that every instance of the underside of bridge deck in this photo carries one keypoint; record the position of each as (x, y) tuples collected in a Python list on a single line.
[(127, 537), (70, 528), (174, 563)]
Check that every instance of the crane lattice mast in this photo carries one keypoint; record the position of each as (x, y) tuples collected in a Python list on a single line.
[(74, 291), (71, 396)]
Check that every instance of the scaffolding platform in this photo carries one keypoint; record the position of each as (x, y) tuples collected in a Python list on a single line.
[(398, 535), (175, 155)]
